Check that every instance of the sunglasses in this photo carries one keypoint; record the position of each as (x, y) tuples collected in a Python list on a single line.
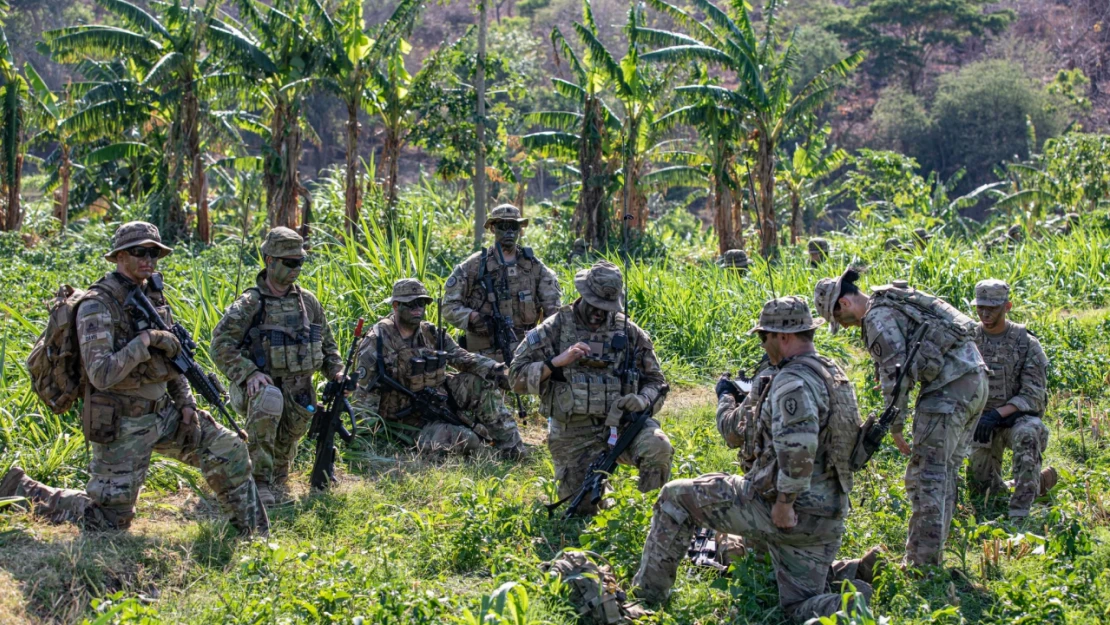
[(292, 263), (507, 226), (416, 303), (152, 253), (762, 336)]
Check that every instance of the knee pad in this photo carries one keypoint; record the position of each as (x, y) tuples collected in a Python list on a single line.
[(268, 402)]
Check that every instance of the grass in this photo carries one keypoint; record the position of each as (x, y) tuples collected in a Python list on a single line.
[(402, 540)]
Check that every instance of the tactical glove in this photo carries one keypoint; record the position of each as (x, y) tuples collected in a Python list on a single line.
[(499, 375), (633, 403), (726, 386), (987, 423), (165, 342)]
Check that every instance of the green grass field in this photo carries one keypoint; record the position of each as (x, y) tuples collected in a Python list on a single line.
[(402, 540)]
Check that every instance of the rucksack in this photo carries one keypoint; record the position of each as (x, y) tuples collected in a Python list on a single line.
[(57, 376)]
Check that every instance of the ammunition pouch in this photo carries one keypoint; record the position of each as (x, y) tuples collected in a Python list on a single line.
[(100, 416)]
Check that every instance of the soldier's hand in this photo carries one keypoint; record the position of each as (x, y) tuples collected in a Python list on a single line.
[(189, 427), (573, 354), (726, 386), (164, 341), (783, 515), (901, 444), (987, 423), (499, 375), (475, 323), (633, 403), (256, 382)]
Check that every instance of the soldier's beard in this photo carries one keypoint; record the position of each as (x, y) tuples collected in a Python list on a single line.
[(281, 276)]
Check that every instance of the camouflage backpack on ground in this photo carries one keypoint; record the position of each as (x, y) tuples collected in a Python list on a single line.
[(593, 589), (55, 361)]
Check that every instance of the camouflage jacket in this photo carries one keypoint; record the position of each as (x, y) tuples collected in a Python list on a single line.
[(292, 333), (526, 291), (1017, 369), (591, 385), (887, 333), (371, 396), (796, 430), (113, 355)]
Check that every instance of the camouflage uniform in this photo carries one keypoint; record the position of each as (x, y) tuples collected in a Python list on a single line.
[(893, 244), (921, 237), (1017, 377), (577, 252), (286, 337), (594, 591), (952, 394), (526, 290), (472, 393), (580, 402), (818, 249), (734, 259), (798, 442), (136, 387)]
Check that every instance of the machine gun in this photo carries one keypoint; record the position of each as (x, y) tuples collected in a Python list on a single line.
[(872, 432), (326, 424), (207, 385), (605, 464)]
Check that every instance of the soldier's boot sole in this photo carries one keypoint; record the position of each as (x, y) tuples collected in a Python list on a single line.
[(9, 486)]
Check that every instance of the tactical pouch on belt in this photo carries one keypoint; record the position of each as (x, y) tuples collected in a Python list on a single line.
[(316, 343), (100, 416), (415, 378), (278, 360)]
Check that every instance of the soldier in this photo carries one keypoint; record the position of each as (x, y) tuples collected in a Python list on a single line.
[(270, 342), (893, 244), (578, 252), (136, 403), (401, 346), (921, 237), (505, 276), (952, 394), (577, 362), (735, 259), (1015, 403), (793, 494), (818, 251)]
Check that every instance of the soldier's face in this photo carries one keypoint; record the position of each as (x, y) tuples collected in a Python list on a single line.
[(507, 233), (848, 312), (993, 316), (594, 316), (410, 314), (281, 273), (139, 265)]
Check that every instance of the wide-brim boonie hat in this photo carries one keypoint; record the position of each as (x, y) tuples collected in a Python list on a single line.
[(788, 315), (135, 234), (601, 286)]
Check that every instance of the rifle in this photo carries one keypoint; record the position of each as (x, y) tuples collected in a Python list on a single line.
[(326, 424), (872, 432), (703, 550), (501, 331), (606, 463), (427, 402), (207, 385)]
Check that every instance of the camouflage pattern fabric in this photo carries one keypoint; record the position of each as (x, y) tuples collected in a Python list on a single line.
[(473, 390), (594, 592), (295, 342), (1028, 439)]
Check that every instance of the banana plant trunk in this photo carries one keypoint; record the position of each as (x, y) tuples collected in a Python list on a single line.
[(723, 203), (795, 216), (281, 177), (198, 192), (391, 154), (480, 128), (589, 215), (765, 176), (61, 204), (13, 206), (353, 201)]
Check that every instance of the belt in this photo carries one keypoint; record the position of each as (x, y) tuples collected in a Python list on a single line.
[(137, 406)]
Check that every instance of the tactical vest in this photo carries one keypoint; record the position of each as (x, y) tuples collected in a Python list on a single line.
[(282, 342), (594, 382), (948, 327), (513, 295), (1005, 357), (416, 367), (838, 429)]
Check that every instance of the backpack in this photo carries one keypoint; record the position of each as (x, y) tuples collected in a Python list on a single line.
[(57, 376)]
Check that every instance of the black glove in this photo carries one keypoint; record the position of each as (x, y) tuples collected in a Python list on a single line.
[(1011, 421), (725, 385), (987, 423)]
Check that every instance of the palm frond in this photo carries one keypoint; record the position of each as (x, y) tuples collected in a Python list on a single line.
[(135, 16), (115, 152)]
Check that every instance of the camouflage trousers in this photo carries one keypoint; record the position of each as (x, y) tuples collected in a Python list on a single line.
[(480, 402), (803, 556), (118, 470), (273, 434), (1028, 439), (943, 424), (574, 447)]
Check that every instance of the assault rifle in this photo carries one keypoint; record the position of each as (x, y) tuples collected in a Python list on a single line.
[(326, 424), (605, 464), (872, 432), (703, 550), (502, 334), (207, 385)]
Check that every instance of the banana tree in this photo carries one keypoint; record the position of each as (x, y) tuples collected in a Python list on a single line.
[(13, 103), (49, 111), (762, 63), (811, 162)]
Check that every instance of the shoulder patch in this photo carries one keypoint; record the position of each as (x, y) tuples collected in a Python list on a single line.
[(791, 406), (534, 336), (877, 349), (452, 281)]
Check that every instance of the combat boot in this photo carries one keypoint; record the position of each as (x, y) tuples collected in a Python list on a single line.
[(870, 565), (9, 486), (1049, 478)]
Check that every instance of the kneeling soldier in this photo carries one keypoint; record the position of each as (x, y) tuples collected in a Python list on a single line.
[(589, 363), (137, 403), (402, 377), (1015, 403), (794, 497), (269, 343)]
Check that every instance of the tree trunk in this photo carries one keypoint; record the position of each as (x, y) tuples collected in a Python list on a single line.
[(722, 209), (480, 129), (590, 216), (391, 154), (283, 187), (795, 216), (765, 176), (353, 201), (61, 207), (14, 209), (197, 189)]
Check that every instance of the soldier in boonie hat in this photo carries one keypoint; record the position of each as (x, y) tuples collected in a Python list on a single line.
[(601, 286), (734, 259), (136, 234), (991, 292), (505, 212), (818, 251), (787, 315), (283, 242), (408, 290)]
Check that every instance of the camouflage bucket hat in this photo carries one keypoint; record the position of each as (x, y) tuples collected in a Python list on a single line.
[(134, 234), (505, 212), (818, 245), (991, 292), (283, 243), (601, 286), (407, 290), (922, 234), (734, 258), (786, 314), (893, 243)]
